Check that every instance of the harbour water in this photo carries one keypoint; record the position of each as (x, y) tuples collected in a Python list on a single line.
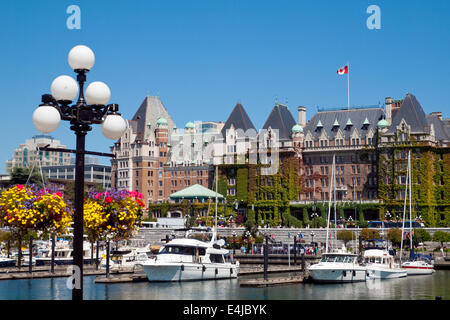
[(410, 288)]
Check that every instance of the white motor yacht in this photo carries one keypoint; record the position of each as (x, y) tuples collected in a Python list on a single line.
[(63, 254), (127, 257), (380, 265), (338, 267), (7, 262), (191, 258)]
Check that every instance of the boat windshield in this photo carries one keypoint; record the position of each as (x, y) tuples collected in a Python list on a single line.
[(328, 258), (182, 250), (349, 259), (201, 236)]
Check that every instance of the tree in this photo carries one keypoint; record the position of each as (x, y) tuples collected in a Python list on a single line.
[(346, 236), (421, 235), (441, 236), (368, 234), (22, 175), (395, 236)]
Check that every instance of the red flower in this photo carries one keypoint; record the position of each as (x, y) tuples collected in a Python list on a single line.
[(59, 194), (19, 186), (108, 200)]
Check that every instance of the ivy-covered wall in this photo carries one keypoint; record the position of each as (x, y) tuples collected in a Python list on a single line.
[(430, 182), (268, 195)]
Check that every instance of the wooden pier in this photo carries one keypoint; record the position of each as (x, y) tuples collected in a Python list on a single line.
[(59, 271)]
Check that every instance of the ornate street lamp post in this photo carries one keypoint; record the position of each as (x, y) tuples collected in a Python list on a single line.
[(91, 108)]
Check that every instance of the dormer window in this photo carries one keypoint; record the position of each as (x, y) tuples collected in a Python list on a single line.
[(366, 123), (319, 125)]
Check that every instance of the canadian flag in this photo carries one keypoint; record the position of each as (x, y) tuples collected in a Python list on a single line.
[(343, 70)]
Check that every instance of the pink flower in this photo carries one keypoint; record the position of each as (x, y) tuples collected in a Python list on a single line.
[(19, 186), (98, 195)]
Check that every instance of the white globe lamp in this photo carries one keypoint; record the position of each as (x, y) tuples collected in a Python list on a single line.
[(113, 126), (81, 58), (97, 92), (46, 118), (64, 88)]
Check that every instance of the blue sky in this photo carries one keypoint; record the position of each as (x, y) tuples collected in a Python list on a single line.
[(202, 57)]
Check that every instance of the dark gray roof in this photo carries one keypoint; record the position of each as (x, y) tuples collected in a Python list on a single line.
[(441, 130), (412, 112), (239, 119), (280, 118), (356, 116), (148, 113)]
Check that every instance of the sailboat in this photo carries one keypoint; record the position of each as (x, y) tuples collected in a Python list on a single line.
[(197, 256), (338, 265), (417, 264)]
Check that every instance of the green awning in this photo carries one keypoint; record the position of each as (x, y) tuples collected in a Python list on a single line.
[(195, 191)]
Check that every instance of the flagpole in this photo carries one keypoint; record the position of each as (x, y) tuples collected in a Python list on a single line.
[(348, 86)]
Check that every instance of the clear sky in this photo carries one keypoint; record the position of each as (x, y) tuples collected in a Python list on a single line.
[(202, 57)]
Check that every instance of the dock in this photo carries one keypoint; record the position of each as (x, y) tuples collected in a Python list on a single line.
[(14, 273)]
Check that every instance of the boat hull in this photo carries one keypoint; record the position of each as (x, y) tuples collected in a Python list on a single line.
[(385, 273), (337, 275), (415, 270), (189, 271)]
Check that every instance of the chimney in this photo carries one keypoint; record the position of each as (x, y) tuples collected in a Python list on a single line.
[(438, 114), (302, 116), (388, 103)]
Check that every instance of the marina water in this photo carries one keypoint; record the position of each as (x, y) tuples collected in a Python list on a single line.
[(409, 288)]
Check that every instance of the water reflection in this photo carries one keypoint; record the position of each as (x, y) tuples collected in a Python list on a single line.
[(414, 287)]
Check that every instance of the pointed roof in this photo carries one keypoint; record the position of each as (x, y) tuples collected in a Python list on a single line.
[(366, 121), (319, 124), (239, 119), (412, 112), (195, 191), (349, 122), (147, 115), (327, 118), (336, 123), (281, 119)]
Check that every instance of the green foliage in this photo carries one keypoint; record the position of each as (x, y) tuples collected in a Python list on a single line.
[(421, 235), (394, 235), (345, 235), (441, 236), (20, 176), (291, 221), (242, 184), (368, 234)]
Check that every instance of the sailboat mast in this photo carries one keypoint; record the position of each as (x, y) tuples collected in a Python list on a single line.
[(404, 210), (334, 199), (329, 204), (217, 182), (410, 201)]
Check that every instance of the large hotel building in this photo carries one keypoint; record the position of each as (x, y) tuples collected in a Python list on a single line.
[(280, 174)]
